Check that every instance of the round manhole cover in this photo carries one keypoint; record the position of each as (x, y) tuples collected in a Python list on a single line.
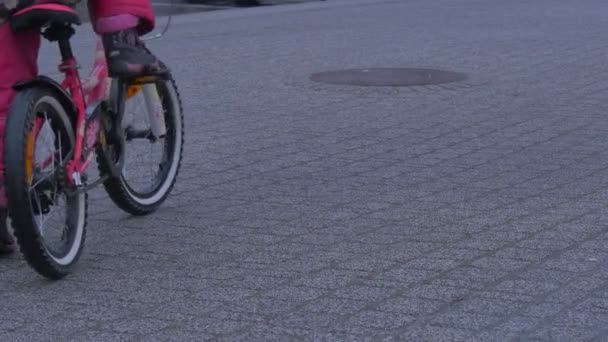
[(388, 77)]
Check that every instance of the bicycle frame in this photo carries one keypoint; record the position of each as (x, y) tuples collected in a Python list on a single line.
[(87, 95), (72, 83)]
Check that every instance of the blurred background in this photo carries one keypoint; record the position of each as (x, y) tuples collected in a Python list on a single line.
[(167, 7)]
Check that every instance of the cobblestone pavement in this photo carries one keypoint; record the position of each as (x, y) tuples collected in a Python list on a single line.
[(476, 211)]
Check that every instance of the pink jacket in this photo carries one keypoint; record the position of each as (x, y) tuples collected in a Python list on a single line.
[(107, 8), (139, 8)]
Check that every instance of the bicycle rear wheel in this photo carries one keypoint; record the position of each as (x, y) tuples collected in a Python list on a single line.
[(39, 141)]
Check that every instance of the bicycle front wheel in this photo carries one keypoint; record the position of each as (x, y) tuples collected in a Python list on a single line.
[(151, 163), (49, 218)]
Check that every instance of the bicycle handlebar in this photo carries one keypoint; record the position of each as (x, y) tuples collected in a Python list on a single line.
[(162, 33)]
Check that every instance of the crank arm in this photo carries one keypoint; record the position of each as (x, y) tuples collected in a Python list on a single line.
[(84, 189)]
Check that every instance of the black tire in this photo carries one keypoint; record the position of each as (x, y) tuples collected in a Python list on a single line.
[(25, 108), (118, 189)]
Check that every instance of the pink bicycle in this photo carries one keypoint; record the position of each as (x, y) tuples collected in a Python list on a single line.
[(55, 131)]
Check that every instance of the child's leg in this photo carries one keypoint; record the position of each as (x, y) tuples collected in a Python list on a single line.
[(18, 62), (120, 23)]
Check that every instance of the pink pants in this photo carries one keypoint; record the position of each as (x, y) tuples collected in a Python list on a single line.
[(18, 62), (19, 55)]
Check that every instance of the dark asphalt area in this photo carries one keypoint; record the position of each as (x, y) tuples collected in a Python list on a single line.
[(305, 211)]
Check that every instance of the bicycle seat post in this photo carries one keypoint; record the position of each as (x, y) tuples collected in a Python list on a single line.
[(61, 33), (66, 49)]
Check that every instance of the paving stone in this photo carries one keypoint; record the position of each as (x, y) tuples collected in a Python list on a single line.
[(472, 211)]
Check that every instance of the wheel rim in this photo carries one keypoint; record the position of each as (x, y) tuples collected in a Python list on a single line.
[(57, 214)]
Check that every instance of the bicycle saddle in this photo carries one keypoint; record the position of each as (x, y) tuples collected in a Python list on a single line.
[(48, 14)]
